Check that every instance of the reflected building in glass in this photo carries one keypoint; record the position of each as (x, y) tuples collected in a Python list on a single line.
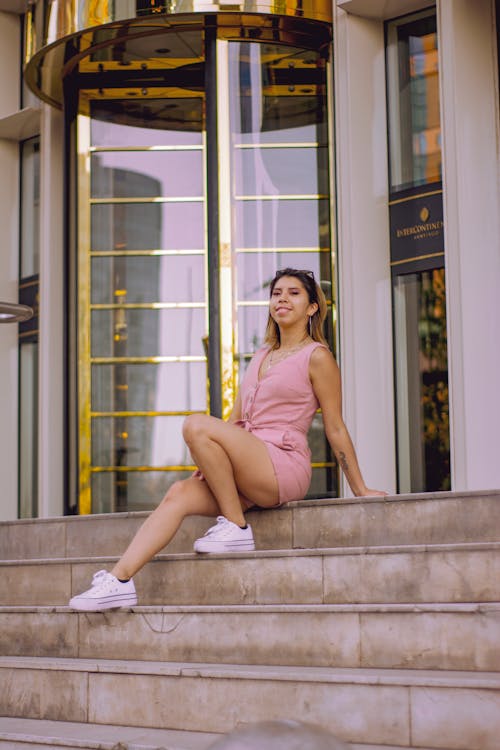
[(173, 156)]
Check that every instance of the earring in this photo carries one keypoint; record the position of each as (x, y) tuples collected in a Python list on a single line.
[(310, 325)]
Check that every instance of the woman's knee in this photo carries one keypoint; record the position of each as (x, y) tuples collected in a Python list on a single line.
[(194, 427)]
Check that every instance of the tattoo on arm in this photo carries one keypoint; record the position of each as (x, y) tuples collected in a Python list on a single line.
[(343, 461)]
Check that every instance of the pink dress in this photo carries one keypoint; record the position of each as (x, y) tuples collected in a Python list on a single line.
[(278, 408)]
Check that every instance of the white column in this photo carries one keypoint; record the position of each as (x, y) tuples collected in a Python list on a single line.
[(470, 126), (51, 390), (363, 246), (9, 267)]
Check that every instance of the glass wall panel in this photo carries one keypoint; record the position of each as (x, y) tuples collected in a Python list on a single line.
[(148, 226), (133, 174), (422, 382), (165, 386), (413, 80), (28, 430), (159, 278), (139, 441), (29, 269), (148, 333), (144, 315), (146, 248), (280, 193), (418, 254), (30, 207)]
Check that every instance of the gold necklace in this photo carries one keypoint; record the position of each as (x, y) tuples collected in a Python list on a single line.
[(287, 353)]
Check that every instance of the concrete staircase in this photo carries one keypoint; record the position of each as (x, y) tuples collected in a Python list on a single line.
[(377, 618)]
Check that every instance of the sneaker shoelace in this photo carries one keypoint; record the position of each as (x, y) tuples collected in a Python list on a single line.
[(99, 577), (221, 524)]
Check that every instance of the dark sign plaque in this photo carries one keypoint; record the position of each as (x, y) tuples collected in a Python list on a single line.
[(416, 226)]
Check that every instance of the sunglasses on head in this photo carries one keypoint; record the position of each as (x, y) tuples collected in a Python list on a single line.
[(293, 272)]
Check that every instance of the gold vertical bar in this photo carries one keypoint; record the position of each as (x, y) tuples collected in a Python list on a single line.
[(330, 98), (225, 238), (333, 197), (83, 265)]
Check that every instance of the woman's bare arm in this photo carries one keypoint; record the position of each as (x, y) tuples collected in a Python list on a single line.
[(325, 379)]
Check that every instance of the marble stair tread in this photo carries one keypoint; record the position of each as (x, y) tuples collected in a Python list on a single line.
[(428, 517), (22, 733), (369, 608), (26, 732), (463, 636), (359, 676), (386, 549), (468, 571)]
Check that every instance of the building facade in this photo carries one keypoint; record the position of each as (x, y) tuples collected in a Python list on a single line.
[(161, 159)]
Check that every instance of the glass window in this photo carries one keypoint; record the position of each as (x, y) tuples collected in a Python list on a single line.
[(417, 254), (29, 267), (158, 387), (28, 430), (136, 174), (413, 90), (147, 278), (30, 207), (148, 226), (422, 382)]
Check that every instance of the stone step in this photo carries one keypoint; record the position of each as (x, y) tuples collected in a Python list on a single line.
[(409, 708), (397, 574), (34, 734), (425, 636), (429, 518)]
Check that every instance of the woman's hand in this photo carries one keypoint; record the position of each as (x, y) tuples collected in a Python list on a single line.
[(373, 493), (198, 475)]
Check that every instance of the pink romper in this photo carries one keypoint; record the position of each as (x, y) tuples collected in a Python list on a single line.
[(278, 408)]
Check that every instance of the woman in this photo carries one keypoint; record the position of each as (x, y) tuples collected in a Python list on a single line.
[(260, 455)]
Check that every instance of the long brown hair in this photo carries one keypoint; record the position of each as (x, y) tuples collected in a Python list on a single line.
[(315, 294)]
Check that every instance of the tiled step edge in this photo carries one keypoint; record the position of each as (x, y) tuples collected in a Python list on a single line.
[(463, 636), (433, 517), (64, 734), (393, 549), (23, 733), (400, 677), (386, 707)]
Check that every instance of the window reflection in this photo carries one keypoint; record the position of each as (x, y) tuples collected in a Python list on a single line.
[(163, 386), (139, 441), (148, 226), (148, 279), (255, 271), (422, 382), (133, 174), (148, 333), (280, 223), (414, 118)]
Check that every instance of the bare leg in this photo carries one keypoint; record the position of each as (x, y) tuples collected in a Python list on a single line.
[(232, 461), (185, 498)]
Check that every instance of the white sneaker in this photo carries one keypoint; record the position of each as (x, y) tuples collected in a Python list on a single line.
[(226, 536), (106, 592)]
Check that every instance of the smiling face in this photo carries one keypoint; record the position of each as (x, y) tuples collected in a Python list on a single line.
[(289, 304)]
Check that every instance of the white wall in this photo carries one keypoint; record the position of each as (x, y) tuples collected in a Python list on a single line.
[(51, 384), (363, 245), (471, 158), (9, 267)]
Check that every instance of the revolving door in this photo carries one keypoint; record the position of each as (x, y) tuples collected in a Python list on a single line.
[(203, 165)]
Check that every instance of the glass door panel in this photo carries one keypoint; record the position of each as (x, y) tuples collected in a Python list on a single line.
[(422, 382), (148, 261), (143, 310), (280, 193)]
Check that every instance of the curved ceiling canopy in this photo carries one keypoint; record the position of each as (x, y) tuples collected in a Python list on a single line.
[(153, 44)]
